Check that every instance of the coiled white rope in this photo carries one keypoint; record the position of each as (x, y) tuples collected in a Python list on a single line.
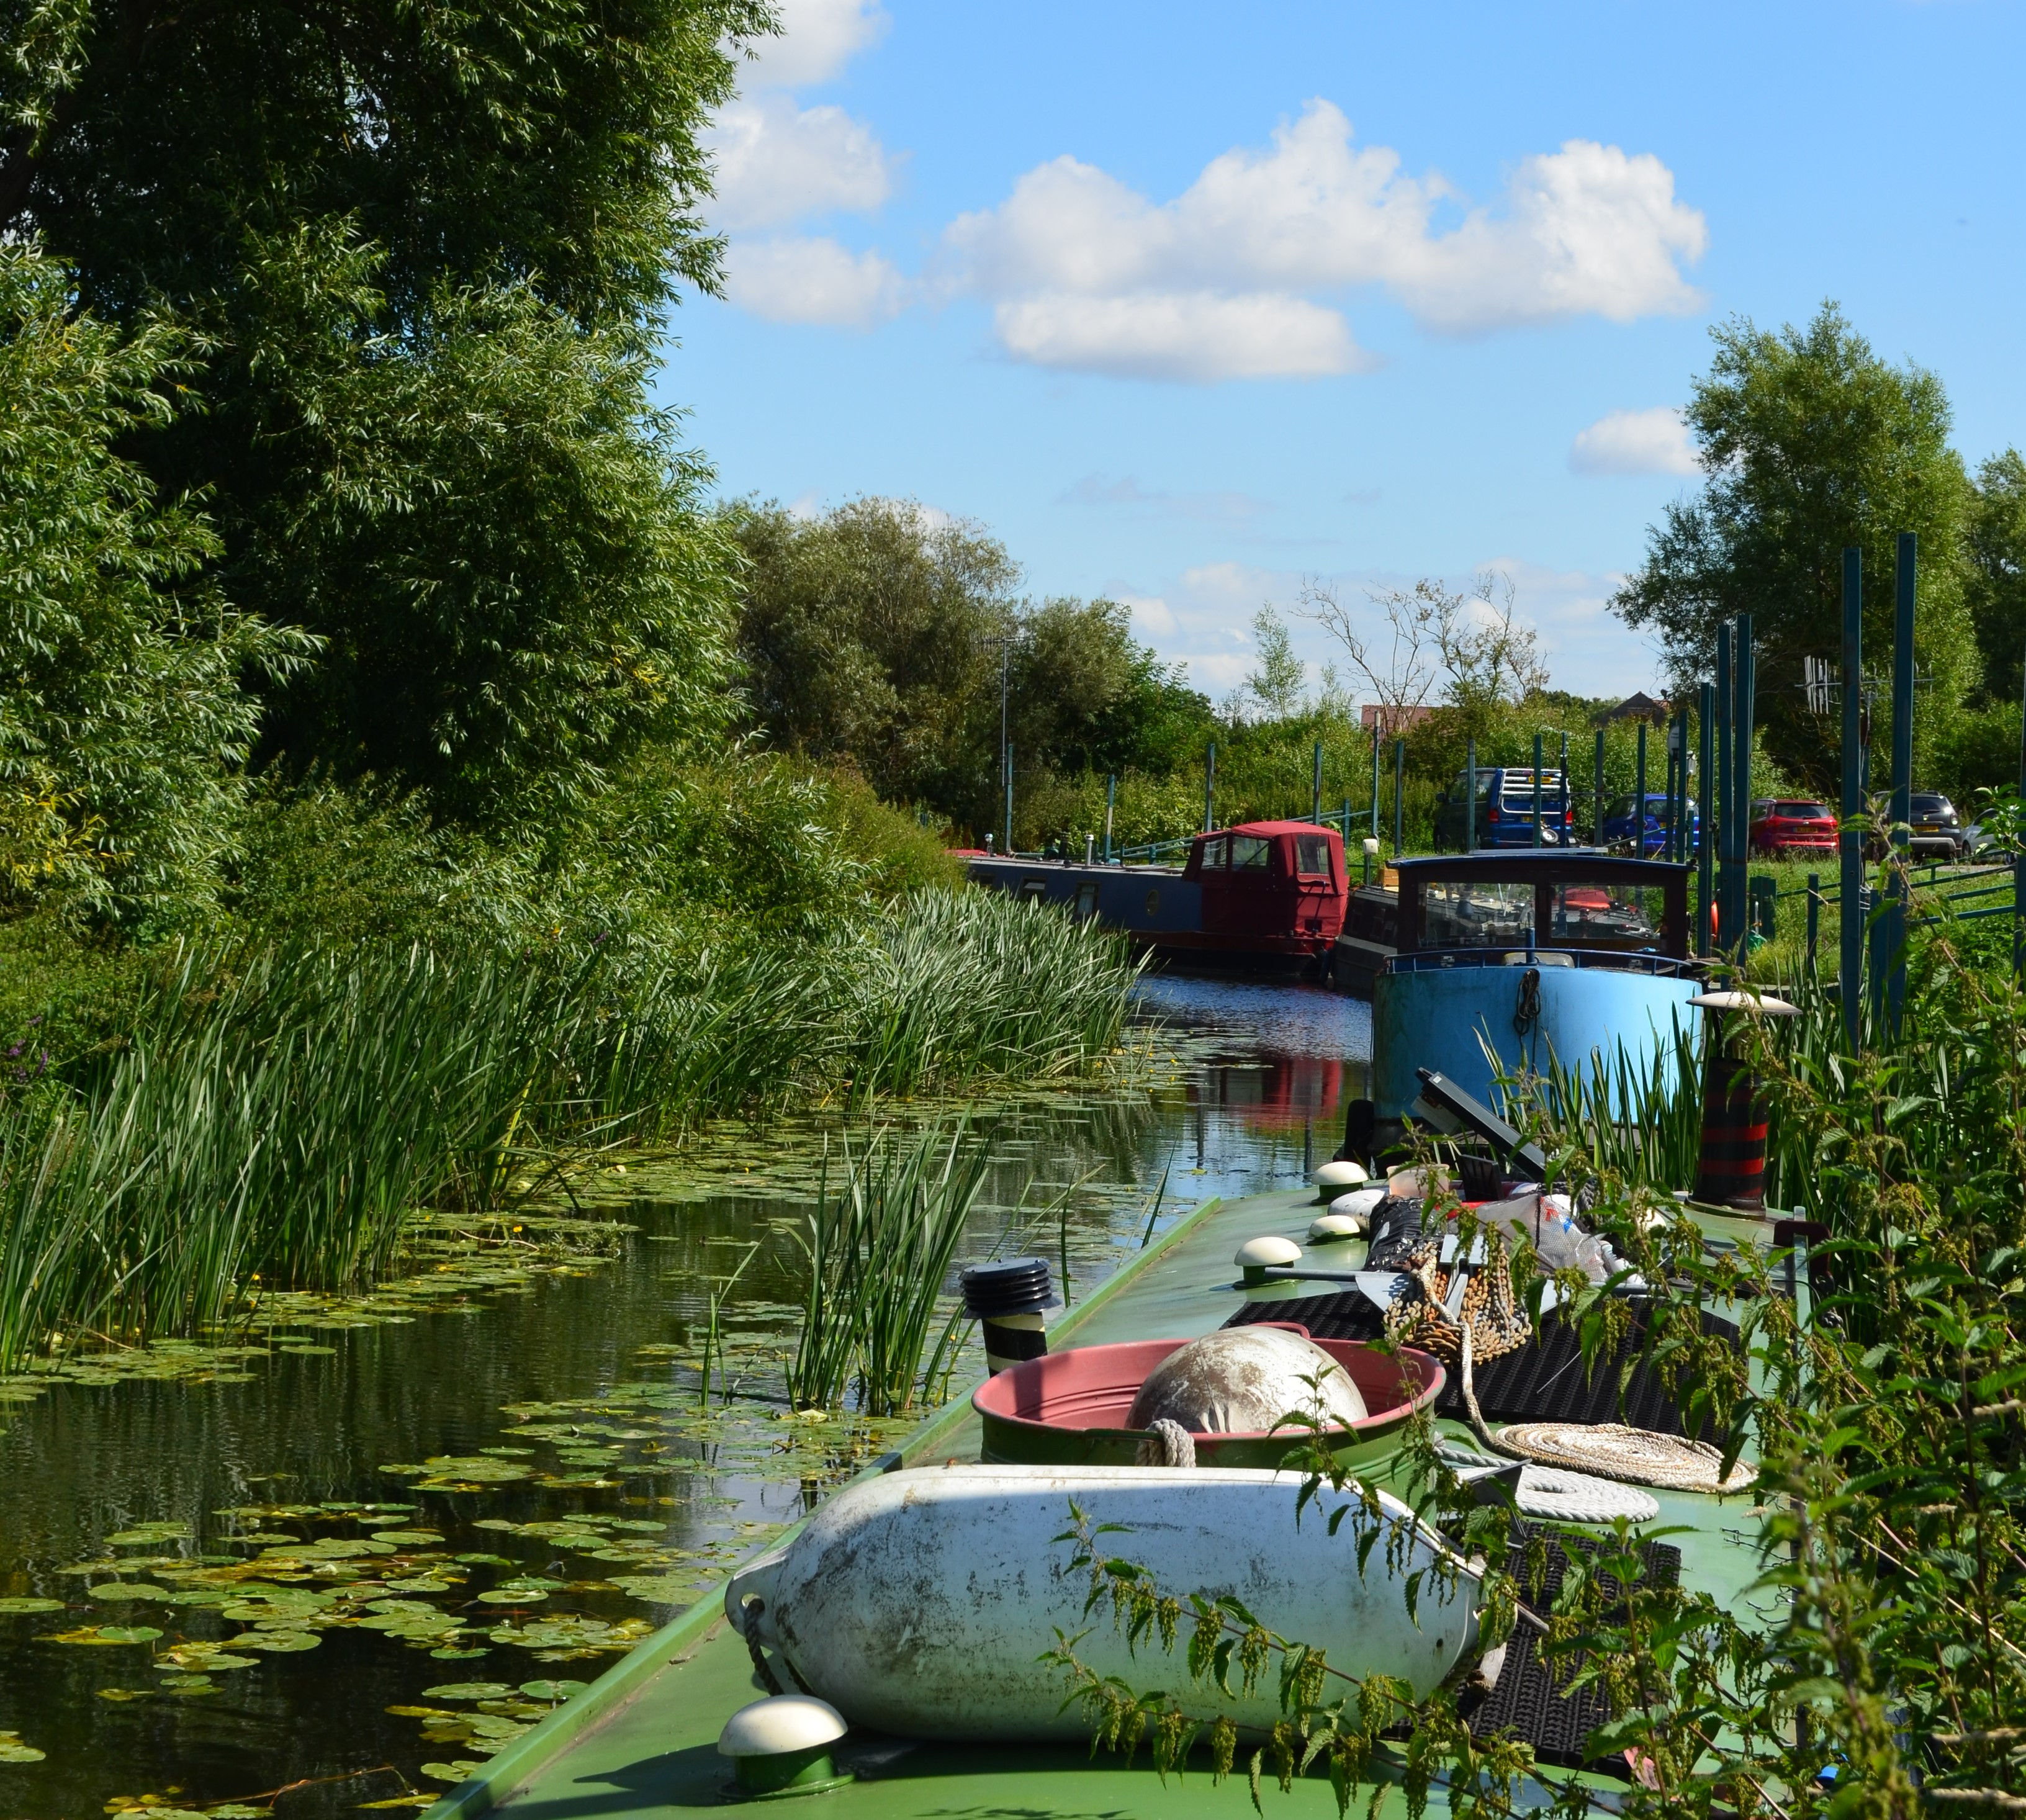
[(1577, 1497)]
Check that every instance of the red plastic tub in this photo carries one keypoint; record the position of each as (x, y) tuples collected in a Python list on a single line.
[(1068, 1409)]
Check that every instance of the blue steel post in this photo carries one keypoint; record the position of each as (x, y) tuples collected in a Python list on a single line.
[(1814, 917), (1316, 790), (1009, 798), (1888, 954), (1210, 786), (1470, 795), (1568, 795), (1399, 804), (1111, 799), (1536, 789), (1596, 791), (1849, 895), (1726, 820), (1735, 912), (1705, 816), (1639, 795)]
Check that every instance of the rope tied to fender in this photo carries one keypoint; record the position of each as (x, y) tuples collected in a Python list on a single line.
[(1527, 1008)]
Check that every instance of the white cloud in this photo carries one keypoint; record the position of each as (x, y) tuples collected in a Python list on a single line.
[(818, 38), (778, 162), (1635, 442), (796, 280), (1085, 272), (1151, 616), (1195, 336), (1218, 672)]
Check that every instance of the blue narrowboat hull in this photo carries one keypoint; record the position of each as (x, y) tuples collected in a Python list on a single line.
[(1444, 1011)]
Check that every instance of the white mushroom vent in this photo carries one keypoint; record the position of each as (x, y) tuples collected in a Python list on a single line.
[(1243, 1380), (1333, 1178), (781, 1745), (1333, 1229), (1264, 1253)]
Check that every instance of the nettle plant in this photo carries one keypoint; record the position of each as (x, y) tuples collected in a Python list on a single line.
[(1876, 1664)]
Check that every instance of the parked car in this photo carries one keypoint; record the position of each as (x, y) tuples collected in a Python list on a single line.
[(1651, 841), (1936, 829), (1505, 809), (1978, 842), (1785, 827)]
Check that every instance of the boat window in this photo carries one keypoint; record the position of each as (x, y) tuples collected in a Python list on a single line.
[(1086, 901), (1613, 915), (1251, 852), (1475, 914), (1216, 854), (1034, 889), (1312, 855)]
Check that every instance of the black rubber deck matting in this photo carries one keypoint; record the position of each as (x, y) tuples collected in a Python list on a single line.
[(1542, 1381), (1528, 1698)]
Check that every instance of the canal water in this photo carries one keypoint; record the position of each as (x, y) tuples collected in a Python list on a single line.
[(335, 1570)]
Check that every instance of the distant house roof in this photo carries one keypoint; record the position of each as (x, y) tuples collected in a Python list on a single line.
[(1639, 707), (1392, 721)]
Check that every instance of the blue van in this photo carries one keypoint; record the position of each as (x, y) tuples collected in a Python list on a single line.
[(1506, 810), (1618, 832)]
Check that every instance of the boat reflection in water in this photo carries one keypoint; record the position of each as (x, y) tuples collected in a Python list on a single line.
[(1508, 963)]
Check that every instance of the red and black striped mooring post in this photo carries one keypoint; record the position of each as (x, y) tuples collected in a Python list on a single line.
[(1731, 1170)]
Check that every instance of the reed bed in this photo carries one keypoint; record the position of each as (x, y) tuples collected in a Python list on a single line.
[(284, 1114)]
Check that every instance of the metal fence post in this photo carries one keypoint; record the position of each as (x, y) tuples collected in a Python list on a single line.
[(1568, 795), (1316, 792), (1536, 789), (1726, 819), (1210, 787), (1639, 795), (1399, 804), (1814, 916), (1596, 790), (1375, 776), (1009, 797), (1111, 799), (1849, 895), (1889, 953), (1738, 910), (1705, 815), (1470, 795)]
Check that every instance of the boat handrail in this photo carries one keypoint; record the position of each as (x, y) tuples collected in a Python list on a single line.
[(1616, 959)]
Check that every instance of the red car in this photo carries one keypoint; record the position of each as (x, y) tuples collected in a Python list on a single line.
[(1785, 829)]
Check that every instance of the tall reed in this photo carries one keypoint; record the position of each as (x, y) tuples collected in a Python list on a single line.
[(879, 1250), (285, 1112)]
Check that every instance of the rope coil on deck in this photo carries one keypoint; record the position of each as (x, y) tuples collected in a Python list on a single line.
[(1637, 1456), (1579, 1497)]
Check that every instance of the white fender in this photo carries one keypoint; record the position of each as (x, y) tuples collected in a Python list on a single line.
[(918, 1602)]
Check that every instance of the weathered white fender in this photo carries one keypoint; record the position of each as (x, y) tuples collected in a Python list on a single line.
[(918, 1602)]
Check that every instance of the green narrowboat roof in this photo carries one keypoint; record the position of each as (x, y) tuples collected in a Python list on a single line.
[(641, 1740)]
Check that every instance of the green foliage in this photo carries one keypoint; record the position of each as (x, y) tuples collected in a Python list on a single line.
[(493, 533), (1997, 545), (1810, 442), (877, 635), (540, 140), (121, 715)]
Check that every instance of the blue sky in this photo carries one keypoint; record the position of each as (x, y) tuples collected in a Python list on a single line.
[(1191, 305)]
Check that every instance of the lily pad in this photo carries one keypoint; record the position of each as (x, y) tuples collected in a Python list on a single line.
[(146, 1533), (457, 1772), (659, 1589), (21, 1608), (468, 1690), (209, 1658), (13, 1750), (463, 1561), (457, 1655), (106, 1634), (511, 1598), (121, 1693), (418, 1536), (557, 1690), (120, 1591), (277, 1642)]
